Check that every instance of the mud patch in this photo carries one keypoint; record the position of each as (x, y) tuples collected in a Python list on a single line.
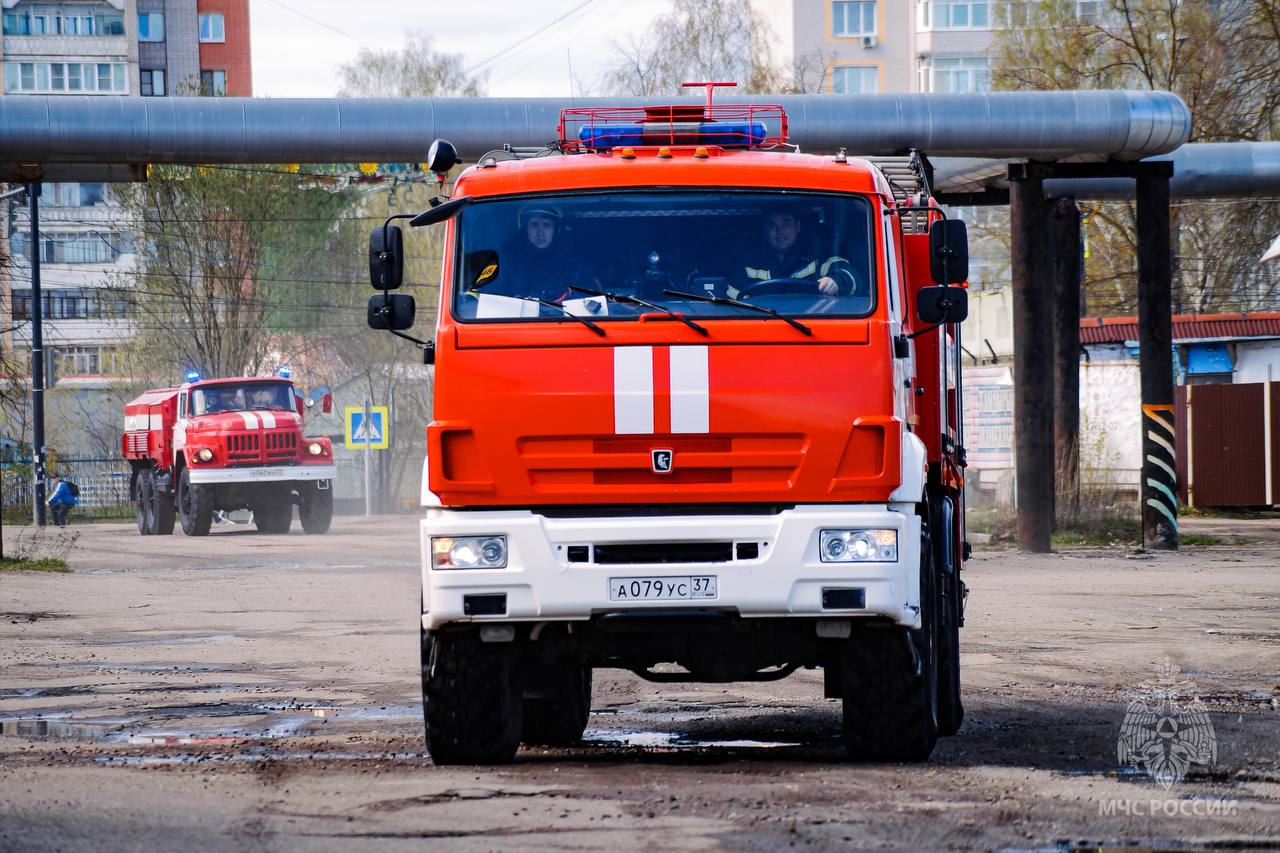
[(28, 616)]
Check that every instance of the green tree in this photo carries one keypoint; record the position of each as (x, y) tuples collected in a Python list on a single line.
[(1223, 59), (415, 71)]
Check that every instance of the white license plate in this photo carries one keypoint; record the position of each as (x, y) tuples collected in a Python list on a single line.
[(688, 588)]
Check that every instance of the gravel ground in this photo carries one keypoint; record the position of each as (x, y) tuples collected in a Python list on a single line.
[(254, 692)]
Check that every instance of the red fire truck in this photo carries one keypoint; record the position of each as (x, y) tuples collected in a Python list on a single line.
[(222, 445), (695, 417)]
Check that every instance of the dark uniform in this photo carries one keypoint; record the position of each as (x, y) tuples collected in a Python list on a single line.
[(527, 271), (764, 263)]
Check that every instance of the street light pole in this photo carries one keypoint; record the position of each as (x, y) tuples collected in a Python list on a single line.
[(37, 356)]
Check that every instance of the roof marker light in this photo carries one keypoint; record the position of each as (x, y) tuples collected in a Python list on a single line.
[(664, 153), (627, 154), (701, 153)]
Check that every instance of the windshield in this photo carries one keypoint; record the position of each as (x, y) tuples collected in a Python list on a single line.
[(693, 252), (238, 398)]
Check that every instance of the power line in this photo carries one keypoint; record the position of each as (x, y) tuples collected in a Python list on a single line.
[(517, 46), (321, 23)]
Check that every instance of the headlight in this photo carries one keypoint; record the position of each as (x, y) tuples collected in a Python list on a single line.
[(858, 546), (204, 454), (469, 552), (315, 448)]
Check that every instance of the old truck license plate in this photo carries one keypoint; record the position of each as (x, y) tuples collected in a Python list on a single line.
[(662, 589)]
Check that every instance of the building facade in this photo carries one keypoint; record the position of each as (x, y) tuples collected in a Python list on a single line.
[(884, 46), (149, 48)]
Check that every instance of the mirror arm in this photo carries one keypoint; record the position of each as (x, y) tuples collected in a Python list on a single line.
[(925, 330), (419, 343)]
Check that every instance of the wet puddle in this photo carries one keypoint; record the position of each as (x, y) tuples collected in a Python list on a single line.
[(672, 740), (151, 727)]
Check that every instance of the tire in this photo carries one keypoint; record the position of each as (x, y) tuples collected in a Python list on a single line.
[(316, 509), (471, 699), (140, 504), (163, 510), (273, 516), (195, 506), (146, 487), (557, 703), (890, 708), (950, 701)]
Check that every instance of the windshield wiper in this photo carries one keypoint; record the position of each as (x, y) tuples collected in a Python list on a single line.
[(566, 312), (627, 299), (724, 300)]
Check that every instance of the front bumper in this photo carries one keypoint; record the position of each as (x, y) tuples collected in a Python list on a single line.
[(785, 579), (263, 474)]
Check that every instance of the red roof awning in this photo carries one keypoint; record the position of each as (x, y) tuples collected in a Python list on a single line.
[(1186, 327)]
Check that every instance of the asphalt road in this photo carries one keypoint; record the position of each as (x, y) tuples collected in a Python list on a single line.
[(252, 692)]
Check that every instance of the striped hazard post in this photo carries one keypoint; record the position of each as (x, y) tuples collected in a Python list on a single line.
[(1159, 477)]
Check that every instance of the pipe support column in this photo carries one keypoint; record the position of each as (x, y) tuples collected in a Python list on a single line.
[(1068, 263), (1155, 353), (1033, 360)]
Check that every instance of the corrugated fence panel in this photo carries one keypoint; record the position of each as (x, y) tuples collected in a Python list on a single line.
[(1228, 456)]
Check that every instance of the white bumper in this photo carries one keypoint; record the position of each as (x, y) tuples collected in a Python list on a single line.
[(786, 579), (264, 474)]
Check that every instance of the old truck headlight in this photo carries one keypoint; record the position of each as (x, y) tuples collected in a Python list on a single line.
[(858, 546), (204, 454), (469, 552), (315, 448)]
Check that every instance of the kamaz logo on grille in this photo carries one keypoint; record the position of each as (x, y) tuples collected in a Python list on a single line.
[(663, 460)]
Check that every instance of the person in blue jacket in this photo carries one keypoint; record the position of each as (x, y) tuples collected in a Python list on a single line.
[(61, 501)]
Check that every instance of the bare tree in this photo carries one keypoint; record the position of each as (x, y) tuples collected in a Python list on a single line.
[(700, 40), (227, 258), (415, 71), (1223, 59)]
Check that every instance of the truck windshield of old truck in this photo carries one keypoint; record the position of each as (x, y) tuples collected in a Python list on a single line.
[(241, 397), (800, 254)]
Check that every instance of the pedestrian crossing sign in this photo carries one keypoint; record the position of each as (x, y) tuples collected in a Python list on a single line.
[(370, 433)]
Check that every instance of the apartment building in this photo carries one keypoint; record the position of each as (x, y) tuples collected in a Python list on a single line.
[(872, 46), (151, 48)]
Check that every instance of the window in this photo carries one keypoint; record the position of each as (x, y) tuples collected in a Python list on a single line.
[(74, 247), (211, 27), (86, 360), (852, 18), (59, 77), (152, 81), (955, 74), (71, 195), (86, 303), (855, 80), (954, 14), (64, 21), (151, 26), (213, 82)]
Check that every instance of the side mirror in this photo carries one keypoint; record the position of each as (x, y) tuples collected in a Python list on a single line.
[(442, 156), (386, 257), (391, 311), (943, 304), (949, 251)]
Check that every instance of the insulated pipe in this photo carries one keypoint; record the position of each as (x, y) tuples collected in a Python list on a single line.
[(40, 130), (1200, 170)]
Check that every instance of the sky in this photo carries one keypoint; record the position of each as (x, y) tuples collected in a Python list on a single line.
[(298, 44)]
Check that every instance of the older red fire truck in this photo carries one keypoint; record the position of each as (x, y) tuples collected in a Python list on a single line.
[(225, 444), (695, 417)]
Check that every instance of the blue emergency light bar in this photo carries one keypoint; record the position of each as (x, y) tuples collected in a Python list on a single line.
[(719, 134)]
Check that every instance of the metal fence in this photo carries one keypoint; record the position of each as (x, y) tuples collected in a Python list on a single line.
[(103, 484)]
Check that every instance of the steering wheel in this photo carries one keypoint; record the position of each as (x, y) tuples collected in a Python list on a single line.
[(771, 286)]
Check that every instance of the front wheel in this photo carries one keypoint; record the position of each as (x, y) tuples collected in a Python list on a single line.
[(471, 698), (163, 510), (195, 506), (316, 510), (890, 682)]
